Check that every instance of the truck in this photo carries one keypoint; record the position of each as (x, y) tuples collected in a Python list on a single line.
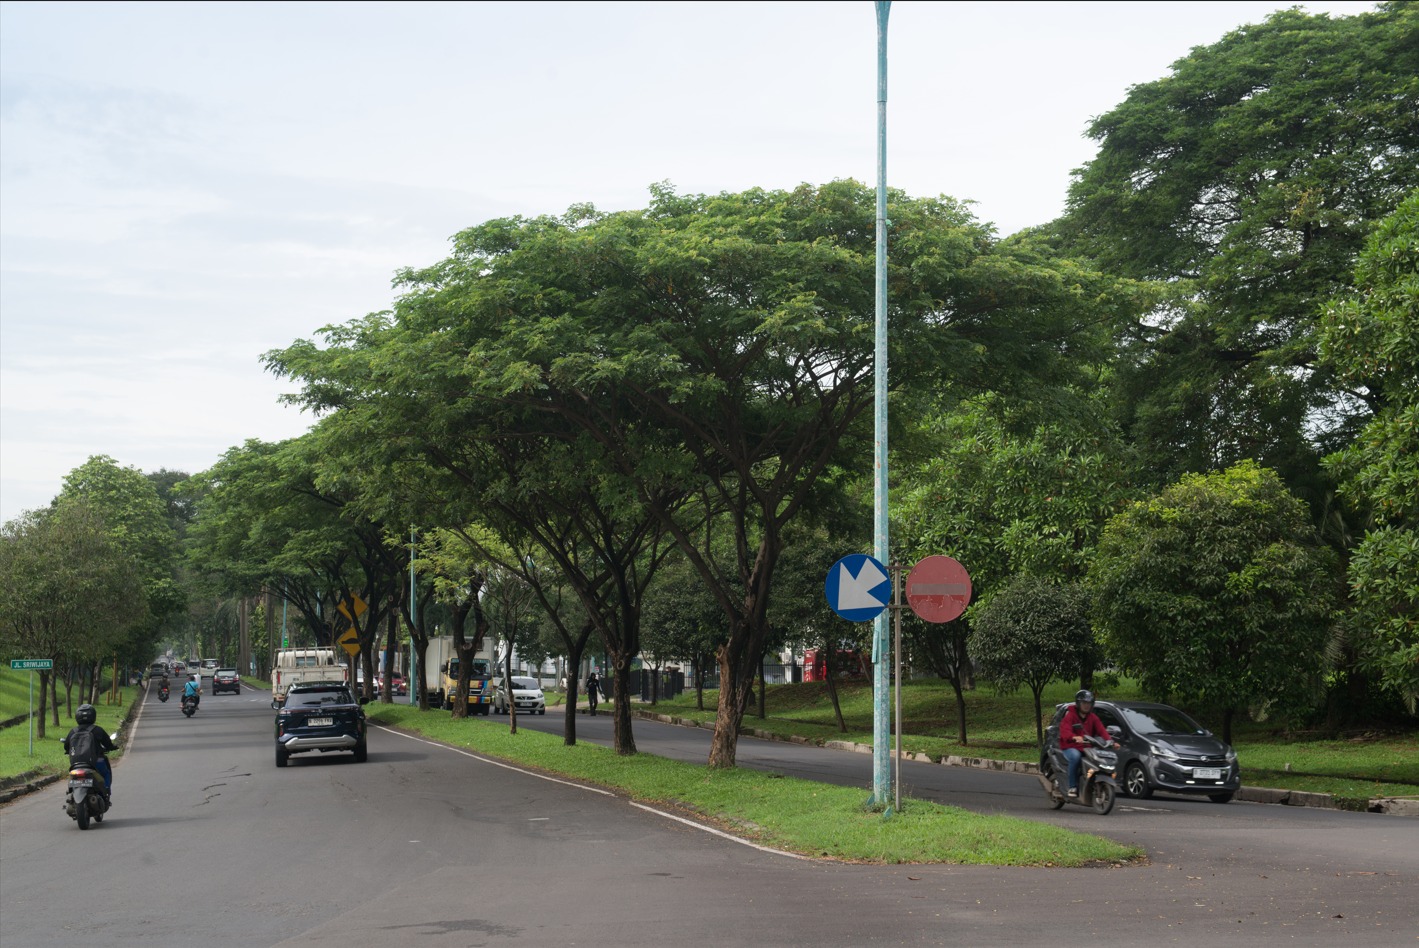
[(443, 666), (300, 665)]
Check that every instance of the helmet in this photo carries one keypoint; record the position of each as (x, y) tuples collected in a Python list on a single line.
[(86, 714), (1083, 695)]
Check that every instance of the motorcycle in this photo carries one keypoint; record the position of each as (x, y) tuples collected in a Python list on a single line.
[(163, 693), (86, 798), (189, 705), (1098, 776)]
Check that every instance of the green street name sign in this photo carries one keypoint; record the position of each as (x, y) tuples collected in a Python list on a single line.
[(32, 664)]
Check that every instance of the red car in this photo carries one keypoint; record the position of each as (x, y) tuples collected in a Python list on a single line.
[(399, 688)]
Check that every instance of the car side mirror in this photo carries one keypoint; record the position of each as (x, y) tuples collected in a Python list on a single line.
[(1114, 731)]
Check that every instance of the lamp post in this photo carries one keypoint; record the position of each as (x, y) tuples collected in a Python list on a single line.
[(881, 716)]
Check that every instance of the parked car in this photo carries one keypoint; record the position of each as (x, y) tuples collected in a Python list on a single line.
[(1162, 749), (320, 716), (397, 684), (527, 696), (226, 679)]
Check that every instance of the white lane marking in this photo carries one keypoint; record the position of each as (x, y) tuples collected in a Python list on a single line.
[(607, 793)]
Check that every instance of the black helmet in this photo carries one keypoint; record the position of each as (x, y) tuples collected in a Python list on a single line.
[(86, 714), (1083, 695)]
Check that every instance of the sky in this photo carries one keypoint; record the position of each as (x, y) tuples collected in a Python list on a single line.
[(185, 186)]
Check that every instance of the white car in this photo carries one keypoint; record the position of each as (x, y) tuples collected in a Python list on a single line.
[(526, 696), (209, 667)]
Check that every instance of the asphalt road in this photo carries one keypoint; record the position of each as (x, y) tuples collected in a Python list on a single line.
[(210, 844)]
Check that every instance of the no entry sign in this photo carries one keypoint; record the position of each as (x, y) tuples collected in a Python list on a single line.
[(938, 589)]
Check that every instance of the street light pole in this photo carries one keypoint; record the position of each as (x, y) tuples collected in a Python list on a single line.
[(881, 652)]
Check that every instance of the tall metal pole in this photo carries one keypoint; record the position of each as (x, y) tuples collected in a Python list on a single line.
[(414, 680), (881, 652)]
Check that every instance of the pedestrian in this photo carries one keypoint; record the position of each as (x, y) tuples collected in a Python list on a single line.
[(593, 685)]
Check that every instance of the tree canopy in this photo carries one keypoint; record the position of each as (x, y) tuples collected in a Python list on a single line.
[(1218, 591)]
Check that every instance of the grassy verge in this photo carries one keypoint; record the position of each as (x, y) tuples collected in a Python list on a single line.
[(48, 756), (1003, 727), (785, 813)]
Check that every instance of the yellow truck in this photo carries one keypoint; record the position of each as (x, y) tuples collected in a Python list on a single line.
[(443, 656)]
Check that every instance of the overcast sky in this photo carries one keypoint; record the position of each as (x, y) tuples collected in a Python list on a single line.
[(186, 186)]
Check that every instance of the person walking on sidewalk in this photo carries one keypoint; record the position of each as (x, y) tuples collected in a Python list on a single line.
[(593, 685)]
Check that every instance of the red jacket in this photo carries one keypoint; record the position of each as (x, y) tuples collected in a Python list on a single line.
[(1092, 725)]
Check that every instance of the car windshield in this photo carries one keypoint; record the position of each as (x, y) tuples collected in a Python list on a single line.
[(1160, 721), (314, 699), (524, 684)]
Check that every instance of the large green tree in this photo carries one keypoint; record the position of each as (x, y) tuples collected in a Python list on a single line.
[(1218, 591), (1247, 179), (1371, 337), (721, 347), (68, 591)]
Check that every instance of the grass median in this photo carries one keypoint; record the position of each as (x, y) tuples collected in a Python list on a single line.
[(798, 816)]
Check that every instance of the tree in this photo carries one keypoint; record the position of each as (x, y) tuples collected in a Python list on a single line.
[(1218, 591), (1371, 338), (1032, 632), (1248, 179), (713, 347), (67, 590)]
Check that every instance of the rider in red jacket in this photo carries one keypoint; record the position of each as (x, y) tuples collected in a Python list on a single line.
[(1079, 721)]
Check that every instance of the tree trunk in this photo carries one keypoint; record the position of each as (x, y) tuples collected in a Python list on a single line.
[(830, 678), (621, 714), (575, 649), (1227, 726), (507, 692), (960, 710), (701, 669), (1039, 716), (763, 690), (735, 683), (45, 679)]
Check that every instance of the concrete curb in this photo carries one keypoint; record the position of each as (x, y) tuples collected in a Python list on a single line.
[(1394, 806), (30, 782)]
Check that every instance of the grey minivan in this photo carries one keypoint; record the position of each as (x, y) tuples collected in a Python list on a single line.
[(1162, 749)]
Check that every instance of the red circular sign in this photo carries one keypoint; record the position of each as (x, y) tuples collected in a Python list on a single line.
[(938, 589)]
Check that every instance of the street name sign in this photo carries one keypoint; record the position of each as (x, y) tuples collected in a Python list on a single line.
[(31, 664), (858, 588)]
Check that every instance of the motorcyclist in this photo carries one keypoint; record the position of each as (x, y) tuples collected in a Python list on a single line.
[(93, 752), (1079, 722), (193, 690)]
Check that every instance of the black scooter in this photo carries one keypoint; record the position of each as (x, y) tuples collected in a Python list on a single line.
[(86, 798), (163, 693), (1098, 776), (189, 705)]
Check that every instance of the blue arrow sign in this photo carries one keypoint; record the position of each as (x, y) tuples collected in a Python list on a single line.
[(858, 588)]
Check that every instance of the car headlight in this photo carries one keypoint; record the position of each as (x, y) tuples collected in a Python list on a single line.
[(1231, 757), (1166, 753)]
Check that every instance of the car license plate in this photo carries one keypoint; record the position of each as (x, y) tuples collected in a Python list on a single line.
[(1207, 773), (320, 722)]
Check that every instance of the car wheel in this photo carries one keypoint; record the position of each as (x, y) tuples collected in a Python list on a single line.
[(282, 758), (1103, 798), (1220, 797), (541, 710), (362, 752), (1135, 781)]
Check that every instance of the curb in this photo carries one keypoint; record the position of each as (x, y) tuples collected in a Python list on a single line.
[(28, 782), (1393, 806)]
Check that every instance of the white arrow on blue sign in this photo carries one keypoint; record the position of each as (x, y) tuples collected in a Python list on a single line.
[(858, 588)]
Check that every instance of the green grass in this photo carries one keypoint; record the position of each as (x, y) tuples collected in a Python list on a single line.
[(48, 757), (799, 816), (1003, 727)]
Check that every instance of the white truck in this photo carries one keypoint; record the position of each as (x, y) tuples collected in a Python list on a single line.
[(442, 676), (298, 665)]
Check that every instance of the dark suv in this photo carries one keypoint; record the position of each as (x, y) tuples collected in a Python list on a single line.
[(1162, 749), (320, 716), (226, 679)]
